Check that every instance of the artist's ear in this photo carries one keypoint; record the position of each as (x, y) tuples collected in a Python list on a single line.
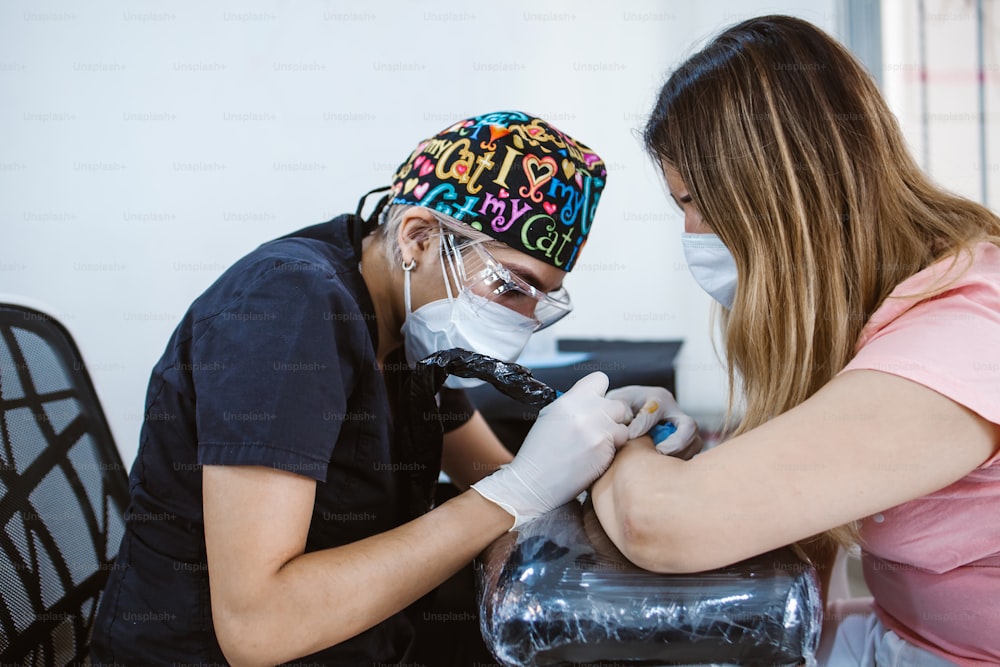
[(417, 235)]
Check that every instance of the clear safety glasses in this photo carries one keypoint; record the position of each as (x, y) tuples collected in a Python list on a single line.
[(473, 267)]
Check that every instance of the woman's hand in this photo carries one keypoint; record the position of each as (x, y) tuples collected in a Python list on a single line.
[(570, 445), (653, 405)]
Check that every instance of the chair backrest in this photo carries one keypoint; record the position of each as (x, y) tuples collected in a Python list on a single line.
[(63, 491)]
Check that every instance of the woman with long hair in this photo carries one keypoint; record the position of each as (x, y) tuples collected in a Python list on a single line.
[(861, 330)]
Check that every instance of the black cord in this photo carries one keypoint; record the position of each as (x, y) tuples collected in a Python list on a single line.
[(361, 227)]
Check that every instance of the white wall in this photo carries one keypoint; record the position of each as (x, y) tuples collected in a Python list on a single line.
[(946, 136), (145, 146)]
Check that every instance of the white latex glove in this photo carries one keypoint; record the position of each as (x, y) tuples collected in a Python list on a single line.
[(653, 405), (571, 444)]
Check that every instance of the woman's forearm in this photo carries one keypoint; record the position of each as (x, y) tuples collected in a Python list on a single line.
[(471, 452), (639, 479), (321, 598), (793, 477), (603, 495)]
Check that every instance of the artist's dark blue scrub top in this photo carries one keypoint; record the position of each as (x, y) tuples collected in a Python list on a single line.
[(274, 365)]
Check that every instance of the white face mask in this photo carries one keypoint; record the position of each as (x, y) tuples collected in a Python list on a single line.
[(712, 266), (467, 320)]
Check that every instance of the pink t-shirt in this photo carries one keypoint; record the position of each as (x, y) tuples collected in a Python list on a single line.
[(933, 564)]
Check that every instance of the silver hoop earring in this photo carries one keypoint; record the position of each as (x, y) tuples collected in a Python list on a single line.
[(409, 265)]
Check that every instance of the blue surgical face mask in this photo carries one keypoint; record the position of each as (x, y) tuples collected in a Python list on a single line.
[(712, 266)]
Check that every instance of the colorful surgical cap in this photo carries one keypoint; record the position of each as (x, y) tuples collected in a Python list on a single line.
[(511, 176)]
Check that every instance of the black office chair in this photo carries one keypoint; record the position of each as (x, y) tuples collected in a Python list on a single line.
[(63, 490)]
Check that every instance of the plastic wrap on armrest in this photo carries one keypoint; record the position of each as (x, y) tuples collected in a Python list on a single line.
[(559, 593)]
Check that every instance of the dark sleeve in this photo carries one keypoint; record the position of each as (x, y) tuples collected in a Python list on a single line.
[(455, 407), (273, 370)]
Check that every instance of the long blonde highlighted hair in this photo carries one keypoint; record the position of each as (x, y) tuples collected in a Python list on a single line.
[(795, 161)]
